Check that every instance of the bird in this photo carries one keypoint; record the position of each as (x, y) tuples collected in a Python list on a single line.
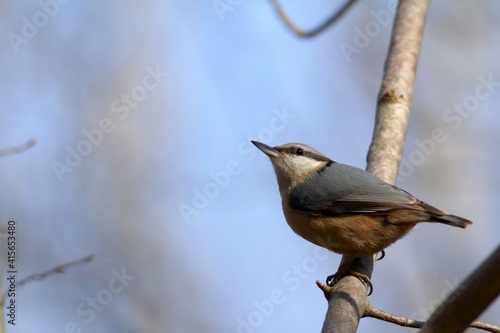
[(345, 209)]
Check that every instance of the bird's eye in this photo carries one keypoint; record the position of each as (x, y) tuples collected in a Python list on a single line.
[(300, 151)]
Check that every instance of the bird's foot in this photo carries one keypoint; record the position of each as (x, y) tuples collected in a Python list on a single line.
[(333, 279)]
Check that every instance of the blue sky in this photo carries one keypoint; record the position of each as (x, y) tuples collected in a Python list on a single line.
[(233, 265)]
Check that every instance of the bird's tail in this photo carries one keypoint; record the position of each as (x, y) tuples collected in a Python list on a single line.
[(452, 220), (436, 215)]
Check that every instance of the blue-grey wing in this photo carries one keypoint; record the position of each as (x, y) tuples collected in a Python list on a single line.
[(340, 189)]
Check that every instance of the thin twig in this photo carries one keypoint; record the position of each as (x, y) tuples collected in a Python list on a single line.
[(58, 269), (298, 31), (372, 312), (41, 276), (391, 318), (18, 149)]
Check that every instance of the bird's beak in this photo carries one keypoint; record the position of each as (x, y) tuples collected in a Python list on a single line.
[(269, 151)]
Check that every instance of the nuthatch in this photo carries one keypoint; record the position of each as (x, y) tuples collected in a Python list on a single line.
[(342, 208)]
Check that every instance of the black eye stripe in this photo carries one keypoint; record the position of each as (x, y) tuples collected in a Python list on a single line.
[(301, 152), (296, 150)]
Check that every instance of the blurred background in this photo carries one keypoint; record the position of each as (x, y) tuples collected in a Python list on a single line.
[(143, 113)]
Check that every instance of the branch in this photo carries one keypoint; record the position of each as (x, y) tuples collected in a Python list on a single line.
[(41, 276), (396, 93), (469, 299), (347, 299), (406, 322), (298, 31), (18, 149), (386, 149)]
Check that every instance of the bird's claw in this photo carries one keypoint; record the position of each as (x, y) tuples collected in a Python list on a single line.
[(333, 279), (382, 255)]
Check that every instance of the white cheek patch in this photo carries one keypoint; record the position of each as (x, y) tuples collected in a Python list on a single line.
[(291, 170), (305, 164)]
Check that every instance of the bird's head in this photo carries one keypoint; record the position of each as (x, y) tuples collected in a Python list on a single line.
[(293, 162)]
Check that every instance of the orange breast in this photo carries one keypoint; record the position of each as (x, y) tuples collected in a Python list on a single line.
[(354, 235)]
